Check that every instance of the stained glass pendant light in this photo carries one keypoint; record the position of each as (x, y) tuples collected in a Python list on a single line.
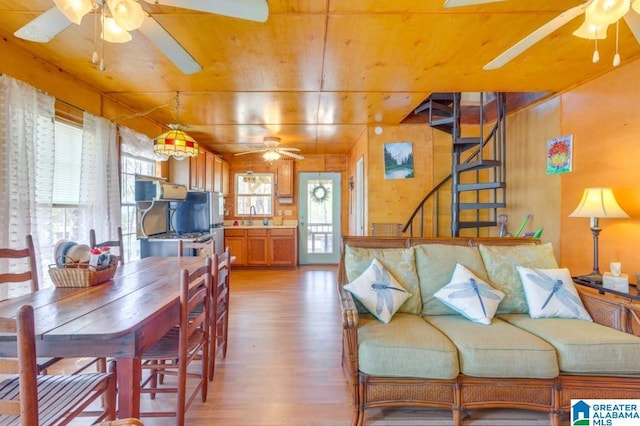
[(176, 143)]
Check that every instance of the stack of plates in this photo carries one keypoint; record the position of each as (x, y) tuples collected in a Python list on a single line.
[(70, 251)]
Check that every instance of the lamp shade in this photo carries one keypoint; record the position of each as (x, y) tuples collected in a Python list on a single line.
[(114, 33), (74, 10), (591, 32), (176, 143), (271, 155), (600, 203), (606, 12)]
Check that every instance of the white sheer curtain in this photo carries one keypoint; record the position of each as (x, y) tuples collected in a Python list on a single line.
[(138, 145), (26, 176), (99, 206)]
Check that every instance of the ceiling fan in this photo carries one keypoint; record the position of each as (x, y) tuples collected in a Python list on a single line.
[(121, 16), (272, 152), (599, 14)]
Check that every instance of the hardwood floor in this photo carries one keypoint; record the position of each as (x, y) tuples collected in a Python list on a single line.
[(283, 361)]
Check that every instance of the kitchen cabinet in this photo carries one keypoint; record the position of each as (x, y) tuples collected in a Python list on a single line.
[(272, 246), (217, 174), (257, 247), (209, 171), (192, 172), (285, 178), (283, 246), (201, 170), (225, 178), (235, 239)]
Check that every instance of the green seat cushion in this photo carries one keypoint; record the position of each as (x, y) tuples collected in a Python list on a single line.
[(584, 347), (435, 264), (405, 347), (497, 350), (400, 262), (501, 263)]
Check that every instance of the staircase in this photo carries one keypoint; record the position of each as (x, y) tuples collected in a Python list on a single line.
[(478, 175)]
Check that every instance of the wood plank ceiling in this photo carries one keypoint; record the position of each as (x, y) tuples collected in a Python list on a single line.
[(318, 72)]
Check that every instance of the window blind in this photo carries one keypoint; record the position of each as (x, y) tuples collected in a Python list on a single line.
[(66, 168)]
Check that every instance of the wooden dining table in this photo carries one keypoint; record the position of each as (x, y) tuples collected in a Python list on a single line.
[(119, 319)]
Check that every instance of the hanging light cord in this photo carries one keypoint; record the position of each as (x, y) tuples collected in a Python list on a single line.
[(147, 112)]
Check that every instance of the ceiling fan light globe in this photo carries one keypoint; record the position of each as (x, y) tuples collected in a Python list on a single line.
[(114, 33), (271, 156), (591, 32), (606, 12), (127, 13), (74, 10)]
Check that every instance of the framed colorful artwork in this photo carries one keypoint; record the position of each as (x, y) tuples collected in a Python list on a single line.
[(398, 160), (559, 154)]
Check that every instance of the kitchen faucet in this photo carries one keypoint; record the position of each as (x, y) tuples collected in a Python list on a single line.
[(252, 211)]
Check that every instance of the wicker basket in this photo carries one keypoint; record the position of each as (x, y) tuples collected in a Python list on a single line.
[(81, 275)]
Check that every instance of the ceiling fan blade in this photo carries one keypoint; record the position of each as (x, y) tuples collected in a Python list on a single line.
[(460, 3), (251, 152), (535, 37), (169, 46), (287, 149), (251, 10), (45, 27), (290, 154), (633, 21)]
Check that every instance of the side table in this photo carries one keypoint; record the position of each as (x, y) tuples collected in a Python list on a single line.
[(613, 308)]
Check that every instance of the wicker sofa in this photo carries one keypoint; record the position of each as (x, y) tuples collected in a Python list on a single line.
[(430, 356)]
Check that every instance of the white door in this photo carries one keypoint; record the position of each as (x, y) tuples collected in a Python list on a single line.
[(319, 218)]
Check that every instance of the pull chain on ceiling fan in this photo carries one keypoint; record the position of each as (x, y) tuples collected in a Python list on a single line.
[(599, 14), (121, 16)]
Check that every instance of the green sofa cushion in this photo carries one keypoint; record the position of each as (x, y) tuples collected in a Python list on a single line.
[(400, 262), (501, 263), (435, 264), (497, 350), (584, 347), (405, 347)]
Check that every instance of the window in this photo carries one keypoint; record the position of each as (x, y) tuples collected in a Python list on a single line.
[(66, 181), (254, 189), (130, 167)]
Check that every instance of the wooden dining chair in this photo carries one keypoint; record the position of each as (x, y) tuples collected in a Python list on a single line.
[(27, 398), (220, 311), (207, 248), (120, 422), (186, 342), (29, 273), (109, 243)]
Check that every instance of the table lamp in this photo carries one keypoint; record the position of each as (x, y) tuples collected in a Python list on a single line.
[(597, 203)]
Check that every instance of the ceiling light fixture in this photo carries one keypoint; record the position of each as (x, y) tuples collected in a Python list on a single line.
[(74, 10), (176, 143), (271, 156), (128, 14), (114, 33), (606, 12)]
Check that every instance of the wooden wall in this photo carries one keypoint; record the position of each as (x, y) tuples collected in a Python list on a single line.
[(604, 118), (65, 87), (392, 200), (530, 190)]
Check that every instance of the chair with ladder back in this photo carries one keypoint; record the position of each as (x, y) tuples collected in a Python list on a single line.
[(186, 342), (25, 261), (109, 243), (30, 399)]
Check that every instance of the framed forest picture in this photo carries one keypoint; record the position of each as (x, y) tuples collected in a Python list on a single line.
[(398, 160)]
